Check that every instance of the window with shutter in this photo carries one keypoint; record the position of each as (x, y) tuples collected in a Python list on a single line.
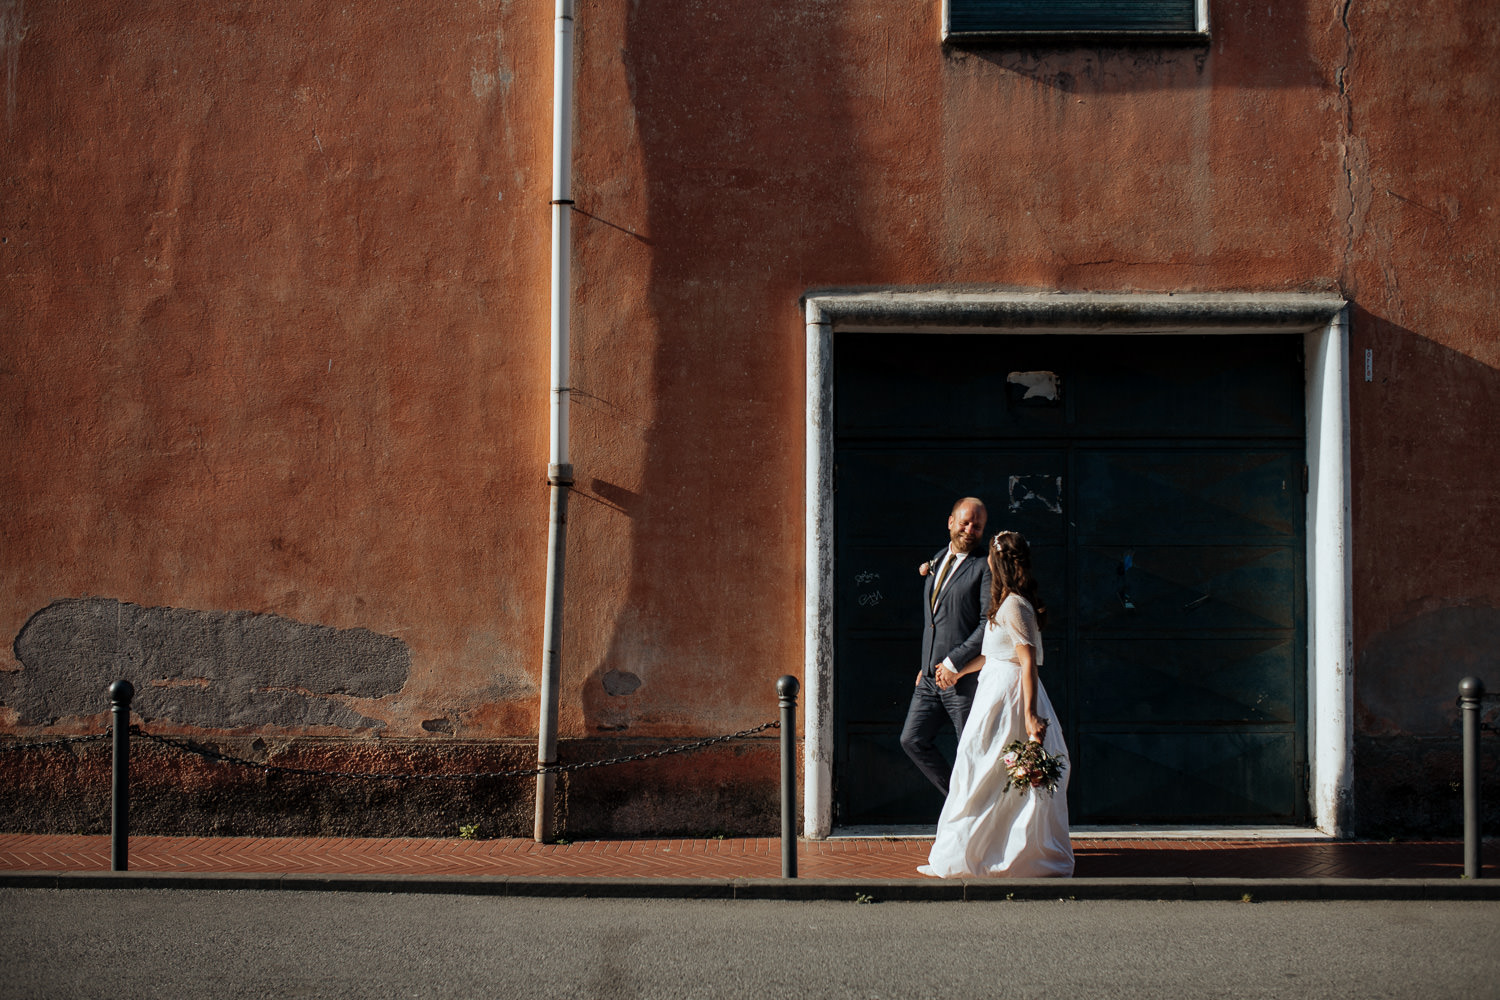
[(979, 19)]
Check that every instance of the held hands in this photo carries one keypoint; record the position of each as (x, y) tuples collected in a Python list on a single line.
[(944, 677)]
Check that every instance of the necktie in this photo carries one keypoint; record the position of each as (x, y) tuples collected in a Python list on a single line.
[(937, 585)]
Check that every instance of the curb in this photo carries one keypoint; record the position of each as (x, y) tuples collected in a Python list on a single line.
[(841, 889)]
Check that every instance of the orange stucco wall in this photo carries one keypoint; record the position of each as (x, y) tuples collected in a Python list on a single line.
[(273, 287), (275, 313)]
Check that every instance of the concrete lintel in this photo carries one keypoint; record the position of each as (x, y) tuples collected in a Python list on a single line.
[(957, 311)]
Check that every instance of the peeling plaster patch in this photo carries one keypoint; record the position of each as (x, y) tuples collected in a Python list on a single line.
[(621, 682), (1038, 385), (201, 683), (438, 726), (213, 669), (607, 705), (610, 694), (1407, 679)]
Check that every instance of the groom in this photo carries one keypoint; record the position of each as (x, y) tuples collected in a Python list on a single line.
[(955, 602)]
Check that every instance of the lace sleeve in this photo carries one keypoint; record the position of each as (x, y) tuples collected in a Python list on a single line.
[(1019, 621)]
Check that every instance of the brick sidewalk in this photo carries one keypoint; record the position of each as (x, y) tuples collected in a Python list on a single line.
[(892, 858)]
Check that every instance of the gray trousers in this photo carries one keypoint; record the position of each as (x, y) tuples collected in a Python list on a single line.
[(930, 711)]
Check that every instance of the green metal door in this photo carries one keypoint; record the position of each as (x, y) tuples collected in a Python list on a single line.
[(1160, 482)]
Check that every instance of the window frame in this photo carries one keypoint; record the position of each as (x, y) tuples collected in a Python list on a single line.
[(1198, 34)]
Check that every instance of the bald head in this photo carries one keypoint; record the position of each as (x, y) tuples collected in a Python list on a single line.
[(966, 524)]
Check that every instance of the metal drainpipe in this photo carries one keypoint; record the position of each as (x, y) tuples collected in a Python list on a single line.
[(560, 470)]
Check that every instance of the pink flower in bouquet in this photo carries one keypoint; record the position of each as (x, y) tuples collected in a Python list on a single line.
[(1028, 765)]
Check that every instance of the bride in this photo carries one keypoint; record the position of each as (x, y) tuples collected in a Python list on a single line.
[(986, 829)]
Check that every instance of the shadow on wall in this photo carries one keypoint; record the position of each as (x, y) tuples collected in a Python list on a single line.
[(1072, 70), (1426, 473), (1124, 66), (1410, 673), (211, 669), (737, 176)]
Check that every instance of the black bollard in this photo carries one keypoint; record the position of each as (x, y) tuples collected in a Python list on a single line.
[(786, 690), (1470, 698), (120, 693)]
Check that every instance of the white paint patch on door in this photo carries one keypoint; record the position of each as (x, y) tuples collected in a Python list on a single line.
[(1039, 385)]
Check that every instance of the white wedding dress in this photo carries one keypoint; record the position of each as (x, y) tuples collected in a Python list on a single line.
[(986, 829)]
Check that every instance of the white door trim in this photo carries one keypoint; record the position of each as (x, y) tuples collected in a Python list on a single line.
[(1321, 318)]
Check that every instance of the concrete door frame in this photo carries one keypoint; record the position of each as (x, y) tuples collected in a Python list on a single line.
[(1320, 318)]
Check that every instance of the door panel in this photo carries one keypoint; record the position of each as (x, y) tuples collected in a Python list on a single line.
[(877, 686), (1147, 681), (875, 764), (878, 589), (1189, 493), (1187, 777), (903, 495), (1186, 588), (1159, 481), (1202, 387)]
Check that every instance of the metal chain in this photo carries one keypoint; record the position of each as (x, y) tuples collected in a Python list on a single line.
[(201, 751), (60, 741)]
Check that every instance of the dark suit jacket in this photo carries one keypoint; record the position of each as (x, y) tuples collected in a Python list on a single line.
[(955, 630)]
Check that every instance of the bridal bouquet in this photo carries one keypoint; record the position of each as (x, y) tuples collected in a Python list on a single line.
[(1027, 765)]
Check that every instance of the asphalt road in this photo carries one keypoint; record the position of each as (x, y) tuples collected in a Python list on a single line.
[(187, 944)]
